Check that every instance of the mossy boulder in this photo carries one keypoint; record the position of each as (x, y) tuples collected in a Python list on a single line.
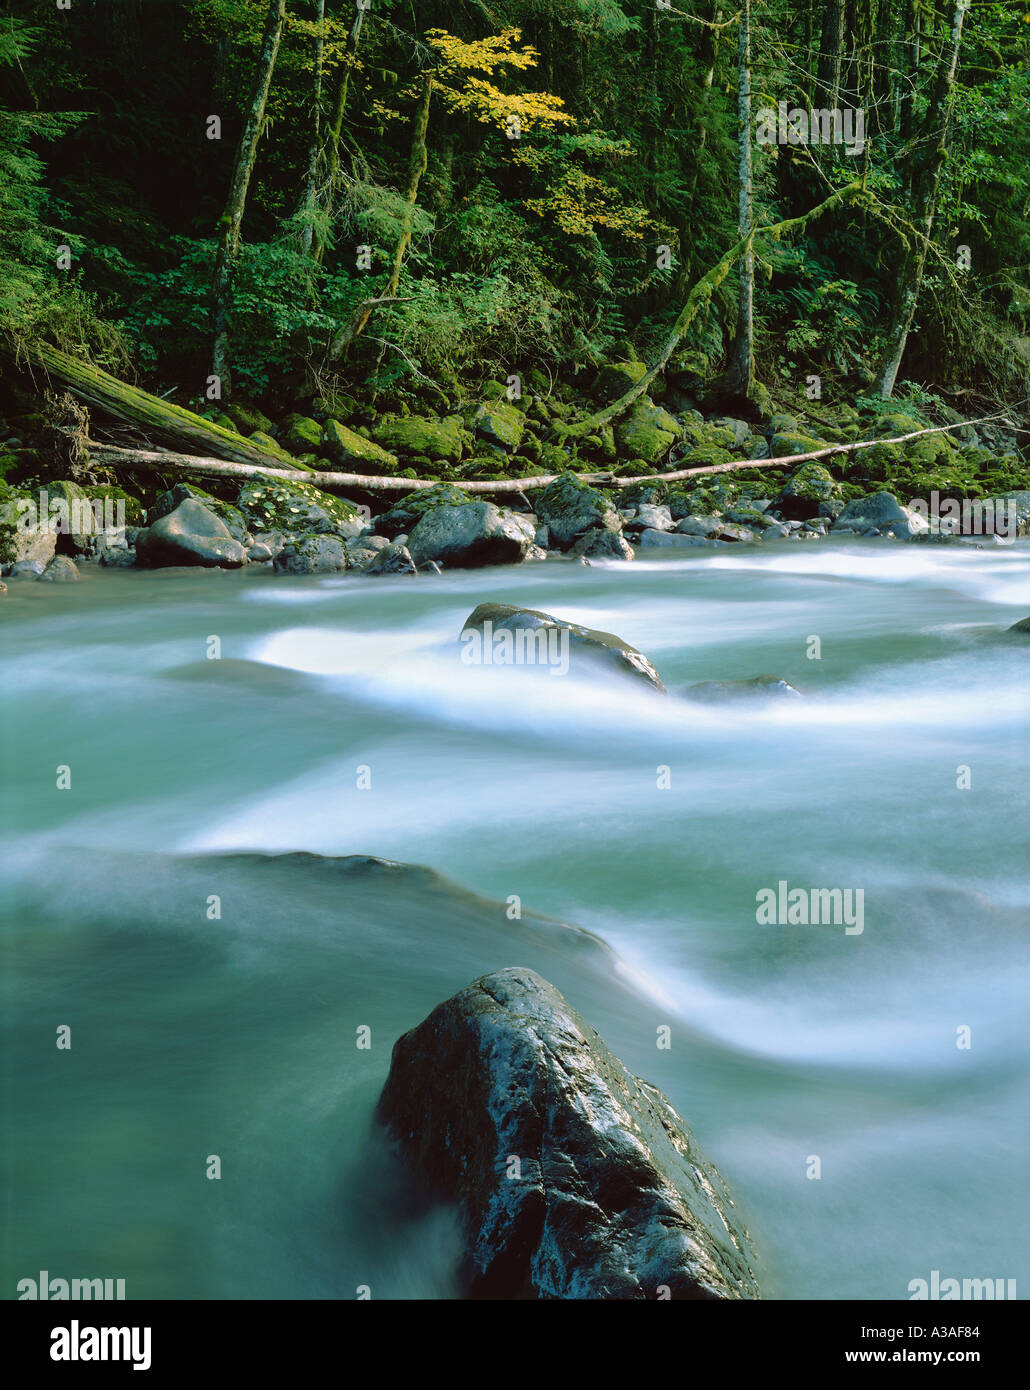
[(569, 508), (785, 442), (806, 489), (500, 423), (353, 452), (247, 418), (268, 445), (705, 456), (312, 554), (439, 441), (404, 515), (304, 436), (782, 423), (615, 379), (122, 503), (295, 508), (646, 432)]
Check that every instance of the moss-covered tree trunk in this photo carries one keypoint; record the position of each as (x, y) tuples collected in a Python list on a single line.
[(232, 218), (156, 419)]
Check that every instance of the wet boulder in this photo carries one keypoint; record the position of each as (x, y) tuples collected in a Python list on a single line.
[(569, 508), (313, 554), (574, 1178), (586, 646), (189, 535), (391, 559), (880, 511), (603, 545), (61, 570), (474, 534)]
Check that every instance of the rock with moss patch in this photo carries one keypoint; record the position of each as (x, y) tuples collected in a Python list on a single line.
[(806, 488), (232, 517), (248, 419), (189, 535), (263, 441), (615, 379), (352, 452), (312, 554), (438, 441), (403, 515), (295, 508), (569, 508), (604, 545), (500, 423), (880, 511), (646, 432), (475, 534)]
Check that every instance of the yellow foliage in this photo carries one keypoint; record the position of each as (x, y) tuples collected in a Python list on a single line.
[(581, 204)]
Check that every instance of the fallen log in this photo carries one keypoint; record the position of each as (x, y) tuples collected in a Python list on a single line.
[(160, 420), (114, 457)]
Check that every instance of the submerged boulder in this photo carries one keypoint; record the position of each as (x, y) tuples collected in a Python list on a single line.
[(574, 1178), (586, 645), (474, 534), (189, 535), (757, 687)]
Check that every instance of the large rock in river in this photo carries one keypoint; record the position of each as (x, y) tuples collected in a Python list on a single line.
[(476, 533), (189, 535), (569, 508), (575, 1178), (587, 645)]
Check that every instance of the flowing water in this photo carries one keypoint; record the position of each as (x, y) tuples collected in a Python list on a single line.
[(172, 908)]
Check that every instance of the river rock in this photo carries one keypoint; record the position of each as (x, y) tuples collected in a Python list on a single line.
[(880, 511), (403, 515), (1022, 627), (757, 687), (587, 645), (391, 559), (807, 488), (650, 516), (613, 1198), (60, 570), (477, 533), (314, 554), (569, 508), (603, 545), (189, 535), (699, 526)]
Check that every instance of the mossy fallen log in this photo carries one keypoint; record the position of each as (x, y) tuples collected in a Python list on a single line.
[(160, 421)]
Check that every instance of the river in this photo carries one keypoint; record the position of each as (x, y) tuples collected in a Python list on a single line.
[(215, 993)]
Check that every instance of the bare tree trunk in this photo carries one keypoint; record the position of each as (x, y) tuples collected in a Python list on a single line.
[(742, 361), (936, 133), (315, 155), (416, 168), (232, 217)]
